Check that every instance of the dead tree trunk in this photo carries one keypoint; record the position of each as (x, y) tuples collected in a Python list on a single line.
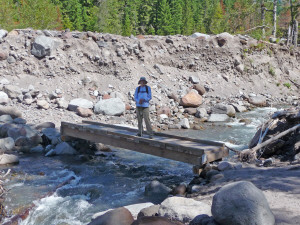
[(274, 18), (263, 18), (295, 33)]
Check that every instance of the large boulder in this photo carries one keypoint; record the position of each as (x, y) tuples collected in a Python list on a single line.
[(26, 133), (154, 220), (119, 216), (44, 46), (6, 119), (62, 149), (157, 191), (80, 102), (149, 211), (241, 203), (224, 109), (218, 118), (50, 136), (110, 107), (8, 159), (191, 99), (12, 91), (182, 209), (4, 99), (258, 100), (7, 144)]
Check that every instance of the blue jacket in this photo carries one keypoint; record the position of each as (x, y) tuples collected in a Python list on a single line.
[(142, 95)]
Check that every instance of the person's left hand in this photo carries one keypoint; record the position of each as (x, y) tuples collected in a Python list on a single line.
[(141, 101)]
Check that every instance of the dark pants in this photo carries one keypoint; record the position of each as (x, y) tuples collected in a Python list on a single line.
[(143, 113)]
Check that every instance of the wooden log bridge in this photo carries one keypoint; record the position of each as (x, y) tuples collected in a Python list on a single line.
[(184, 149)]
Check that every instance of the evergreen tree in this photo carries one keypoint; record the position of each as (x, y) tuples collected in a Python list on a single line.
[(188, 20), (126, 26), (176, 10), (164, 18), (199, 15), (217, 23)]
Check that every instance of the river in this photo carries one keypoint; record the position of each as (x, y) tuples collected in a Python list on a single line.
[(108, 182)]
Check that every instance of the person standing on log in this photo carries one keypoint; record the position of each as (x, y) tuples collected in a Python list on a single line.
[(142, 96)]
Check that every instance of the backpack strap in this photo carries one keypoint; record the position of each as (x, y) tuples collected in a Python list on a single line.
[(147, 89)]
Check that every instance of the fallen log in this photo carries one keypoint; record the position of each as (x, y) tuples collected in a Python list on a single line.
[(15, 220), (250, 154)]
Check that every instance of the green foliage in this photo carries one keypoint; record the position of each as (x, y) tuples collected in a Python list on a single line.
[(7, 14), (288, 85), (164, 21), (126, 29), (218, 22), (271, 71)]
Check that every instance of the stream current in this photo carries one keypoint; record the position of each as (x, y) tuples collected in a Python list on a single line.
[(108, 182)]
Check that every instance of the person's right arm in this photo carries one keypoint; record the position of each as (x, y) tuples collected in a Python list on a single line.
[(136, 95)]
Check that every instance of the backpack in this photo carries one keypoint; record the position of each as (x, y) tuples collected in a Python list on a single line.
[(147, 89)]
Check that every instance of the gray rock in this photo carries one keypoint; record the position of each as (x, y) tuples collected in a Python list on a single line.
[(62, 149), (218, 118), (197, 35), (225, 166), (51, 135), (43, 104), (182, 209), (157, 191), (224, 109), (239, 108), (80, 102), (62, 103), (194, 79), (3, 33), (241, 203), (4, 81), (203, 220), (11, 59), (201, 113), (185, 124), (240, 68), (8, 110), (44, 46), (45, 125), (26, 131), (6, 119), (8, 159), (258, 100), (149, 211), (12, 91), (7, 144), (159, 69), (110, 107)]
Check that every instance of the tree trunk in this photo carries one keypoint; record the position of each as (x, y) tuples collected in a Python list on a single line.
[(263, 16), (289, 35), (274, 18), (295, 32)]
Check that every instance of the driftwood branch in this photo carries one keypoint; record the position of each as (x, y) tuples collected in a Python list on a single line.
[(251, 153), (254, 28)]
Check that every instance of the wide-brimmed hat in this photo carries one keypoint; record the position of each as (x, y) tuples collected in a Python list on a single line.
[(143, 79)]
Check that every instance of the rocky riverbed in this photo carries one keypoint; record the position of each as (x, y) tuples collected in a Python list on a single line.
[(198, 82)]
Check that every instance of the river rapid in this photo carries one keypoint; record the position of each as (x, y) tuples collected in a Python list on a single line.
[(108, 182)]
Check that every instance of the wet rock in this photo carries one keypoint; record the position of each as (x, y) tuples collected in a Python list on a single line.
[(62, 149), (179, 190), (8, 159), (110, 107), (182, 209), (83, 112), (225, 166), (19, 130), (119, 216), (154, 220), (157, 191), (211, 173), (239, 108), (241, 203), (260, 101), (37, 149), (216, 178), (43, 104), (268, 162), (45, 125), (191, 100), (6, 119), (7, 144), (80, 102), (218, 118), (224, 109), (4, 99), (50, 136), (44, 46), (12, 91), (136, 208), (102, 147), (149, 211), (203, 220), (19, 121)]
